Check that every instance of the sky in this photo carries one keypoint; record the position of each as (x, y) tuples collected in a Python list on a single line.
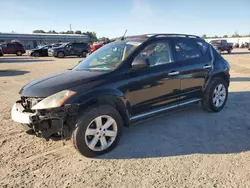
[(110, 18)]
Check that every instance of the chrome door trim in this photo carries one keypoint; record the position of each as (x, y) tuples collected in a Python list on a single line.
[(163, 109)]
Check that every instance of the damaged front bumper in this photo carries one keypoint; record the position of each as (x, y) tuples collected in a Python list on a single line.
[(49, 123)]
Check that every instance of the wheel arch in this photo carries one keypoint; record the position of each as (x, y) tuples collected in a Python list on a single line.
[(113, 98), (222, 75)]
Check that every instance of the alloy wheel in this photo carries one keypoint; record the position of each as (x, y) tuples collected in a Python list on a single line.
[(219, 95), (101, 133)]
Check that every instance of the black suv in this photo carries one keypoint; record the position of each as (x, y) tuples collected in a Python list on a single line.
[(70, 49), (124, 81), (43, 50)]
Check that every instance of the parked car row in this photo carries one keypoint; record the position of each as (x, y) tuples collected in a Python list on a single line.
[(12, 48)]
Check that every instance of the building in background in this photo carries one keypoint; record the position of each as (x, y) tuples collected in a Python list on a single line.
[(30, 41)]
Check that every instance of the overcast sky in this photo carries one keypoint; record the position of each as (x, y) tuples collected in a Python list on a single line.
[(110, 18)]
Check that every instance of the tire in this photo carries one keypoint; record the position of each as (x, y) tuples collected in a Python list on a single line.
[(229, 51), (84, 54), (209, 100), (61, 55), (36, 54), (19, 53), (87, 121)]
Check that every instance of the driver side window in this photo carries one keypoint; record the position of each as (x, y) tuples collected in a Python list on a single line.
[(157, 53)]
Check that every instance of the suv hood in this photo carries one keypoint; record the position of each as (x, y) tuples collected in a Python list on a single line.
[(49, 85)]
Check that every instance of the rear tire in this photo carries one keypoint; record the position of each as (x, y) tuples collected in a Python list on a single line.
[(92, 135), (19, 53), (61, 55), (215, 96)]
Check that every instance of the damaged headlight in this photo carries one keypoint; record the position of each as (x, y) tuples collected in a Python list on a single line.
[(55, 100)]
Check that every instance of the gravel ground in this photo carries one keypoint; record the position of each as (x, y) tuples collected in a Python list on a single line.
[(185, 148)]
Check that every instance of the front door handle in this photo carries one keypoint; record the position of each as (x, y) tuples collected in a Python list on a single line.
[(207, 66), (173, 73)]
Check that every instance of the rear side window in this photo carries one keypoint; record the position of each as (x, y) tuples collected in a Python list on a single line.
[(19, 45), (10, 46), (203, 46), (186, 49)]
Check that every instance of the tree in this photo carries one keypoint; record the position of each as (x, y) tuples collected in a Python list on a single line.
[(236, 34), (225, 36), (38, 31), (52, 31), (68, 32), (92, 36), (78, 32), (204, 36)]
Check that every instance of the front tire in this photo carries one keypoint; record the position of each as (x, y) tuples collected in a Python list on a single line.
[(36, 54), (215, 96), (60, 54), (98, 130), (84, 54)]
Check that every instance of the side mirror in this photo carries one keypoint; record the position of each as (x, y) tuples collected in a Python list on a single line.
[(139, 63)]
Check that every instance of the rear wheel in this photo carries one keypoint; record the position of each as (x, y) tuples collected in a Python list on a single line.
[(97, 131), (36, 54), (215, 96), (60, 54), (19, 53)]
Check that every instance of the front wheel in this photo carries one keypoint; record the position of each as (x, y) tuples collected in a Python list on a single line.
[(215, 96), (97, 131), (84, 54)]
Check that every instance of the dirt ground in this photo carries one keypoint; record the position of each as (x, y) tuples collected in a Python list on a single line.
[(184, 148)]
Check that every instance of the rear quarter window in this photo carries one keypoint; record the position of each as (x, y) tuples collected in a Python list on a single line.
[(186, 49), (202, 45)]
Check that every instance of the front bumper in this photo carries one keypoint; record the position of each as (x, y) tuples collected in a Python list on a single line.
[(49, 123), (19, 115)]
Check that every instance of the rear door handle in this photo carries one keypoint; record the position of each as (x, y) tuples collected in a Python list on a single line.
[(173, 73), (207, 66)]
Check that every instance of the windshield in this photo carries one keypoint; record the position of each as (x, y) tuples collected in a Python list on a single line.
[(108, 57)]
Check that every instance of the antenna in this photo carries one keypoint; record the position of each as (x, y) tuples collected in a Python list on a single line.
[(124, 35)]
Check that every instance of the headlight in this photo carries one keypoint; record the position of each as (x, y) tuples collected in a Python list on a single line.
[(54, 101)]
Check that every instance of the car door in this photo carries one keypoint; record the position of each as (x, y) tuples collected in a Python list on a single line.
[(69, 49), (194, 59), (11, 48), (157, 85)]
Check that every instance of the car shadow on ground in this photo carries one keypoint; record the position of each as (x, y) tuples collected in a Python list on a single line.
[(12, 72), (190, 130), (23, 60), (240, 79)]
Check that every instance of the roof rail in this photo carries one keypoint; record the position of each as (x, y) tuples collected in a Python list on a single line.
[(171, 35)]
